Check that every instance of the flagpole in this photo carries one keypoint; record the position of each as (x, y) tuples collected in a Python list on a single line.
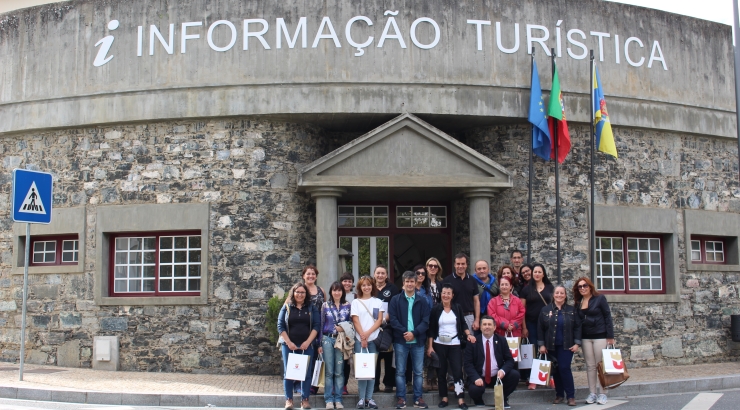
[(557, 175), (592, 227), (531, 171)]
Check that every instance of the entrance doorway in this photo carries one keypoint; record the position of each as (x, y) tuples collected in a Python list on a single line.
[(397, 235)]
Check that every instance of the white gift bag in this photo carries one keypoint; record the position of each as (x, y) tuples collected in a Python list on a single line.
[(318, 372), (297, 366), (540, 372), (526, 354), (612, 360), (513, 343), (364, 365)]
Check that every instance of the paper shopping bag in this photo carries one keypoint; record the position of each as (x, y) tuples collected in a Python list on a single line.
[(526, 354), (611, 360), (318, 373), (498, 394), (513, 347), (540, 372), (297, 366), (364, 365)]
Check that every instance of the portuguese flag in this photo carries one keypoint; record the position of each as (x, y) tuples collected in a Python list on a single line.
[(556, 112)]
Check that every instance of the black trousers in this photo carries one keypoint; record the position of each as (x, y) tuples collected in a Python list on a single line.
[(450, 358), (389, 378), (509, 381)]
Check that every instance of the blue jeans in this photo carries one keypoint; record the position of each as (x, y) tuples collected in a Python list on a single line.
[(306, 383), (334, 370), (365, 387), (403, 351), (564, 385)]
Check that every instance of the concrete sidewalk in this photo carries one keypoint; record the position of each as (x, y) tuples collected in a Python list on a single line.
[(51, 383)]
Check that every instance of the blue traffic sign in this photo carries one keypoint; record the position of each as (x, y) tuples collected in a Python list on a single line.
[(32, 193)]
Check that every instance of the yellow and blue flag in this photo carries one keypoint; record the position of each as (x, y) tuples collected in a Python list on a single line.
[(540, 131), (602, 125)]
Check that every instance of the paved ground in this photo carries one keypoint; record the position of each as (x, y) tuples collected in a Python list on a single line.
[(719, 400), (174, 383)]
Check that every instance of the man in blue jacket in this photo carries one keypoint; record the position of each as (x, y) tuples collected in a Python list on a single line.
[(487, 286), (409, 314)]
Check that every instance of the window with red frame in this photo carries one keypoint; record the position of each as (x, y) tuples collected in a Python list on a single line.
[(156, 264), (629, 263), (708, 250), (54, 250)]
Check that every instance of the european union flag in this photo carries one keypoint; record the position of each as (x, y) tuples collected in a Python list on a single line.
[(540, 131)]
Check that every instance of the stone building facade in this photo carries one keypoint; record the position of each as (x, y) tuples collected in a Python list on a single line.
[(268, 163)]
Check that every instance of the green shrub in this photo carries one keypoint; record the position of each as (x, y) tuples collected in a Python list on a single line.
[(273, 311)]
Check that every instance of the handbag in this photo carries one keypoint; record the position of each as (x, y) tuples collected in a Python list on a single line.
[(498, 394), (318, 372), (541, 370), (513, 343), (297, 366), (365, 365), (611, 381), (384, 341), (526, 354)]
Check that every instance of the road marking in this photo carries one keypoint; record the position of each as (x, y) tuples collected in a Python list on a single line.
[(610, 403), (702, 401)]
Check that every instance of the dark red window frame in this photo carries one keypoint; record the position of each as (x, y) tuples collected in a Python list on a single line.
[(59, 239), (702, 241), (157, 234), (392, 230), (627, 290)]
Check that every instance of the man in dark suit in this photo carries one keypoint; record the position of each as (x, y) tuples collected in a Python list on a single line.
[(487, 359)]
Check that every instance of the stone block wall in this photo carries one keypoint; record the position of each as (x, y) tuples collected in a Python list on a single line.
[(655, 169), (262, 233)]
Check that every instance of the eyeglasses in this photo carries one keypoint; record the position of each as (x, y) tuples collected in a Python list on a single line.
[(584, 286), (299, 293), (433, 266), (421, 272)]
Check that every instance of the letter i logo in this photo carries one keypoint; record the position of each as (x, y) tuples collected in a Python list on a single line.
[(107, 41)]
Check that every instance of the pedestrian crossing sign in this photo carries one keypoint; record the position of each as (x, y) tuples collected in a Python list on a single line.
[(32, 195)]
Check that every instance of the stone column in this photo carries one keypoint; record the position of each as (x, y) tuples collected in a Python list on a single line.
[(327, 241), (480, 224)]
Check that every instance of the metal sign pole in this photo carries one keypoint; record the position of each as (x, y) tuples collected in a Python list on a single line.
[(25, 299)]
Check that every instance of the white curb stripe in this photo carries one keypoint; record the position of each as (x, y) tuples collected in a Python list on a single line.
[(610, 403), (702, 401)]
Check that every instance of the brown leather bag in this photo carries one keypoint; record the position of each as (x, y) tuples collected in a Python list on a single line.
[(611, 381)]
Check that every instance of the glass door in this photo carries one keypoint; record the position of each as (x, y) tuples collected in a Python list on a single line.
[(367, 252)]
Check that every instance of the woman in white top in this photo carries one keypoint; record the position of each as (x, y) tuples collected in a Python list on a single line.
[(367, 315), (448, 333)]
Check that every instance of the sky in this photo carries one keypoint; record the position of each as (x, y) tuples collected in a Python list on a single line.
[(714, 10)]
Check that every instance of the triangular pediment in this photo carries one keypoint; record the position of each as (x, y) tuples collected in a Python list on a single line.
[(405, 152)]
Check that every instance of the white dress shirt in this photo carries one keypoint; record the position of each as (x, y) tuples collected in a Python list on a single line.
[(494, 364)]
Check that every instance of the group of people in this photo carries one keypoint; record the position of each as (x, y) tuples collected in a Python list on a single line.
[(455, 324)]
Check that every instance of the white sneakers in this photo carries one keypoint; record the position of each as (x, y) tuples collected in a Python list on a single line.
[(602, 399), (591, 399)]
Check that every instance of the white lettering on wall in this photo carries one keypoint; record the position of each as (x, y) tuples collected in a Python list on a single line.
[(541, 40), (169, 46), (627, 51), (140, 42), (348, 35), (657, 55), (257, 34), (516, 39), (186, 36), (209, 36), (412, 32), (616, 47), (558, 41), (386, 35), (282, 28), (479, 31), (326, 23), (601, 36), (576, 43), (102, 57)]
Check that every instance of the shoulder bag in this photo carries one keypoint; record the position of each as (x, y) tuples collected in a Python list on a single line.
[(384, 341), (608, 380)]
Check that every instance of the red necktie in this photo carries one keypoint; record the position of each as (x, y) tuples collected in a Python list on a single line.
[(488, 362)]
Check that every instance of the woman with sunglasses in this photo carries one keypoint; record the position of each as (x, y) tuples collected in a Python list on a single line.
[(434, 273), (597, 331), (299, 323), (423, 290)]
